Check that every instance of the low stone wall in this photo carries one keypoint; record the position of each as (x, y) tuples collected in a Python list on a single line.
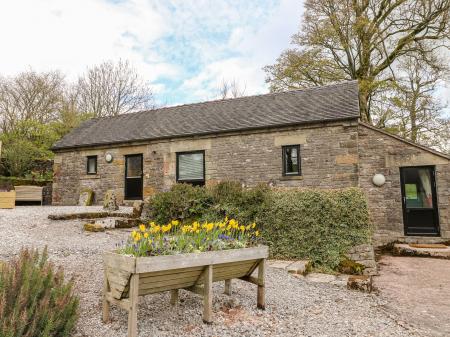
[(365, 255)]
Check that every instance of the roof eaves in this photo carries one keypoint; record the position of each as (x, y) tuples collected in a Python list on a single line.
[(72, 147)]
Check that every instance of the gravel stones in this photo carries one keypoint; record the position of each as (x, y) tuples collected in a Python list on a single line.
[(294, 307)]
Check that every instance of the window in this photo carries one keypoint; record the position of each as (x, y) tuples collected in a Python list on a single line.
[(191, 167), (291, 160), (91, 167)]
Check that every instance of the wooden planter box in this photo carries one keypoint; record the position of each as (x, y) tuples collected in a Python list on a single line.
[(128, 277), (8, 199)]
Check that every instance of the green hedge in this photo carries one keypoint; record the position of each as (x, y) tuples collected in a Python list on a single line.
[(10, 182), (320, 225), (316, 224)]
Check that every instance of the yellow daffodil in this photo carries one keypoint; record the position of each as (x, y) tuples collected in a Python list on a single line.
[(133, 234), (137, 237), (253, 225), (146, 235), (247, 227), (152, 224), (257, 233), (242, 228), (175, 222), (142, 227)]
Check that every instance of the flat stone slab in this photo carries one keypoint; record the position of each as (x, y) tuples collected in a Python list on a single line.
[(88, 215), (279, 264), (320, 278), (404, 249), (301, 267)]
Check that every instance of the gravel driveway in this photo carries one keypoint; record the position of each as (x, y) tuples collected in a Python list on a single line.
[(294, 307)]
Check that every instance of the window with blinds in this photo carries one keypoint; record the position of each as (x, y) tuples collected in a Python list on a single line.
[(191, 167)]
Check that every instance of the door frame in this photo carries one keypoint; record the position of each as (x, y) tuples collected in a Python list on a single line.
[(432, 169), (125, 175)]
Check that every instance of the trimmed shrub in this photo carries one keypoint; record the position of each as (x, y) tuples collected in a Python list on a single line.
[(183, 202), (34, 299), (232, 200), (319, 225)]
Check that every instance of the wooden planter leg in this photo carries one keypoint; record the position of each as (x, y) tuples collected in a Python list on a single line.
[(174, 297), (261, 298), (106, 304), (133, 297), (227, 290), (207, 295)]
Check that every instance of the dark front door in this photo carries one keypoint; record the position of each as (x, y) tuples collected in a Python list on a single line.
[(420, 213), (133, 177)]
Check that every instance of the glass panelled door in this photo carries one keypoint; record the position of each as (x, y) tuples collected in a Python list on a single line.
[(133, 177), (420, 213)]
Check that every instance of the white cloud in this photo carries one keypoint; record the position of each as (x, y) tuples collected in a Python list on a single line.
[(194, 42), (71, 35), (257, 45)]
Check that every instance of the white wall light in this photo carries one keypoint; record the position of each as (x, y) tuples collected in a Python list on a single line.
[(109, 158), (378, 179)]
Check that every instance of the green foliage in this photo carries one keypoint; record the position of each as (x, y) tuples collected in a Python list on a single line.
[(29, 141), (34, 299), (186, 202), (319, 225), (232, 200), (177, 238), (182, 201), (315, 224)]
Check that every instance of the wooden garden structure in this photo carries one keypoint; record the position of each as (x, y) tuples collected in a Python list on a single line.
[(7, 199), (128, 277)]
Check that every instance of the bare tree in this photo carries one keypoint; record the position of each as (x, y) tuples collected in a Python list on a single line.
[(30, 96), (418, 115), (110, 89), (359, 39), (231, 89)]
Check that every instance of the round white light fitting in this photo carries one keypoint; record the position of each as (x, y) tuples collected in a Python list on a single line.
[(378, 179), (109, 157)]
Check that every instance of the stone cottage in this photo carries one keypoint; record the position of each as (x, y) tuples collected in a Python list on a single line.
[(304, 138)]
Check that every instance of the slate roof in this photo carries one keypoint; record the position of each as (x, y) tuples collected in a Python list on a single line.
[(318, 104)]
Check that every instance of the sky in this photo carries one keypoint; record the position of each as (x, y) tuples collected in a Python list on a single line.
[(183, 48)]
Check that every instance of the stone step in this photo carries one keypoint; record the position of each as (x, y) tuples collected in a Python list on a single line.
[(438, 251)]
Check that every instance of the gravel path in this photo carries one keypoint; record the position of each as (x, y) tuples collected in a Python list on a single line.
[(294, 307)]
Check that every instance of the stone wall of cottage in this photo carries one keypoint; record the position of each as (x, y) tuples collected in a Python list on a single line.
[(381, 153), (329, 159)]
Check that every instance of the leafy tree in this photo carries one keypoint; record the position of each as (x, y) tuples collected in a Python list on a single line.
[(362, 40), (29, 141)]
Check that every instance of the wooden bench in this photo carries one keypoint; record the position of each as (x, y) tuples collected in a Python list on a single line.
[(8, 199), (29, 193), (127, 278)]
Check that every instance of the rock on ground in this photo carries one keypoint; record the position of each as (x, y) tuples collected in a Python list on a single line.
[(294, 307)]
